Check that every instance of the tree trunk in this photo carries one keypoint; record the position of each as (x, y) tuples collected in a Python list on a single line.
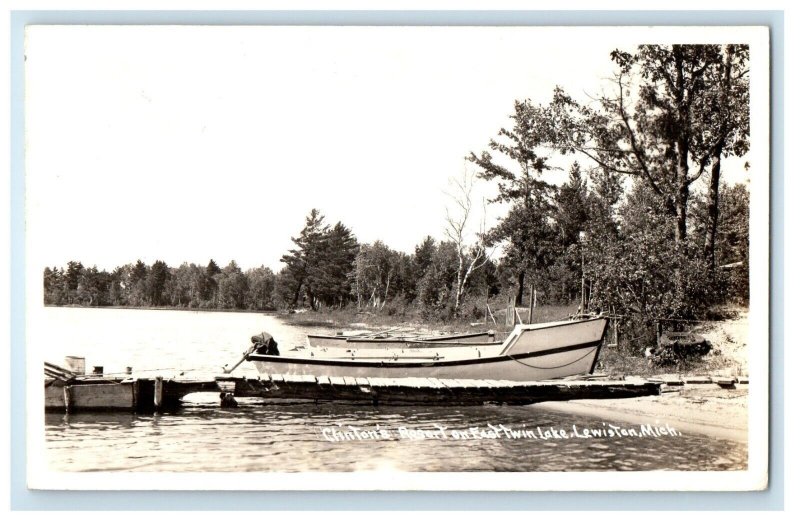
[(681, 196), (681, 206), (713, 188), (713, 209), (459, 282), (386, 292)]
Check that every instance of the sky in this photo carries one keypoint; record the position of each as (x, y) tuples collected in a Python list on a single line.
[(189, 143)]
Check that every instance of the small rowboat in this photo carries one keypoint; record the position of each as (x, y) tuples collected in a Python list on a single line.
[(361, 342), (532, 352)]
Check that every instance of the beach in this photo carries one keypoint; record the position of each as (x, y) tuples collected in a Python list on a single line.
[(706, 409)]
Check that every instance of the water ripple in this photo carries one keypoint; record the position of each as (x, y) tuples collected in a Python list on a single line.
[(289, 438)]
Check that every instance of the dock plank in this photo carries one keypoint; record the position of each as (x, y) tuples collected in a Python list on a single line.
[(697, 379), (415, 382)]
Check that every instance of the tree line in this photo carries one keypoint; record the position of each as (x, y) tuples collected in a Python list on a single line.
[(329, 268), (158, 285), (643, 217)]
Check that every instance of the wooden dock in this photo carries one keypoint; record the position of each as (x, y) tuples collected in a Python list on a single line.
[(431, 391), (115, 394), (72, 392), (145, 394)]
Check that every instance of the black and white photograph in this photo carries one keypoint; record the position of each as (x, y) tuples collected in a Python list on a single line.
[(397, 257)]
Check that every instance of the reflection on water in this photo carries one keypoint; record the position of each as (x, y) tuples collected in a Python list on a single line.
[(268, 437)]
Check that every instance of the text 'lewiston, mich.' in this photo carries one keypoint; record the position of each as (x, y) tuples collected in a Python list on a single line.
[(489, 431)]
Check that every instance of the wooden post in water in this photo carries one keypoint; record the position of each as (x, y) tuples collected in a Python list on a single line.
[(67, 397), (135, 391), (158, 392)]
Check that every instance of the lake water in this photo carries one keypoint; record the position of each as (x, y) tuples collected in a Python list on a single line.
[(324, 437)]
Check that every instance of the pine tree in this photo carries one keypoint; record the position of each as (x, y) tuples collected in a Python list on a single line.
[(157, 282), (331, 282), (526, 226), (304, 264)]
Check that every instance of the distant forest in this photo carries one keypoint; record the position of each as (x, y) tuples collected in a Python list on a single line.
[(644, 215)]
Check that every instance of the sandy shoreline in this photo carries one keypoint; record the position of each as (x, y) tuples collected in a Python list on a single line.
[(698, 409)]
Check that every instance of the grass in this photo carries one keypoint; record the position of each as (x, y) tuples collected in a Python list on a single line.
[(349, 319), (616, 363)]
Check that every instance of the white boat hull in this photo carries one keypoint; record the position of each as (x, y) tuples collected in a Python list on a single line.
[(530, 353)]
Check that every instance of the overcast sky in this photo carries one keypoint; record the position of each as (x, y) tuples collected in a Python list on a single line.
[(190, 143)]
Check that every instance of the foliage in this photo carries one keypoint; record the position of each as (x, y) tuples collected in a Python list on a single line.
[(679, 349), (657, 126), (526, 229), (260, 286), (318, 269)]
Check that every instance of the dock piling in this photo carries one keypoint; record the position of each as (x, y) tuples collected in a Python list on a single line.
[(67, 398), (158, 392)]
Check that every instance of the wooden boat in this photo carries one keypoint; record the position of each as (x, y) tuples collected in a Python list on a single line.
[(531, 352), (388, 342)]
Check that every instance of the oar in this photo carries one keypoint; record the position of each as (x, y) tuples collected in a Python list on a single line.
[(58, 369), (244, 357), (369, 334)]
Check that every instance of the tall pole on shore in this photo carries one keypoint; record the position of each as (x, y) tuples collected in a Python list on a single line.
[(530, 305), (581, 238)]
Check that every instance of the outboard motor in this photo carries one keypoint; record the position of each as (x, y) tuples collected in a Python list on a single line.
[(264, 344)]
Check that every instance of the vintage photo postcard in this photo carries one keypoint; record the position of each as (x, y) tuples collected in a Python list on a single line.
[(397, 258)]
